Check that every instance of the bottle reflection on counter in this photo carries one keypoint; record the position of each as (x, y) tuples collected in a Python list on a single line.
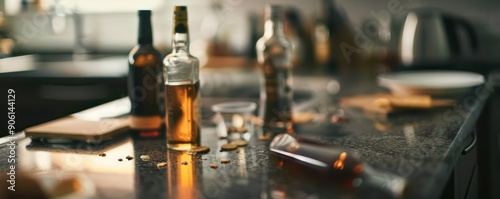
[(181, 175), (144, 79)]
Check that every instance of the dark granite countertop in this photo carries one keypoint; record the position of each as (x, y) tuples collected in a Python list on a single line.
[(422, 148)]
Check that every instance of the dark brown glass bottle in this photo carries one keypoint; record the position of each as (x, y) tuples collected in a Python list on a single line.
[(333, 166), (144, 79)]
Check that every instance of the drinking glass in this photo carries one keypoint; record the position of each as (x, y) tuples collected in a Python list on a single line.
[(234, 120)]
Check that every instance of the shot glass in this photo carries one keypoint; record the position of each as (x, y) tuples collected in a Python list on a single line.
[(234, 120)]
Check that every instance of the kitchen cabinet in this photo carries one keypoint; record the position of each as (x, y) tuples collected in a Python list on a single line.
[(463, 182), (52, 86), (489, 143)]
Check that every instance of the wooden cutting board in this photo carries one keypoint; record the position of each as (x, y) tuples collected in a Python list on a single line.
[(367, 103), (72, 128)]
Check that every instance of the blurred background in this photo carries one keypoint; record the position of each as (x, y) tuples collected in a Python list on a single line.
[(223, 27), (63, 56)]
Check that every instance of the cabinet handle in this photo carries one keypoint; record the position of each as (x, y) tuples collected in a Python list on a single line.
[(471, 146)]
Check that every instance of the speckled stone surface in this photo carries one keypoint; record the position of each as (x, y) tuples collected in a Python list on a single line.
[(421, 148)]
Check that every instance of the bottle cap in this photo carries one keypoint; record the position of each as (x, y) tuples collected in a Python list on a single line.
[(180, 19), (273, 12)]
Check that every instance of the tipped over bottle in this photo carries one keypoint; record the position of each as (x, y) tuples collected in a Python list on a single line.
[(328, 165)]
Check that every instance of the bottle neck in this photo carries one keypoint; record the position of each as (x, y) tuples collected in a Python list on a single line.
[(180, 38), (273, 27), (180, 42), (145, 32)]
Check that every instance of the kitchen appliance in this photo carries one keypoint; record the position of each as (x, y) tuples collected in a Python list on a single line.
[(432, 37)]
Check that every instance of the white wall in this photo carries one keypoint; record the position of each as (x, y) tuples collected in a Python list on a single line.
[(117, 31)]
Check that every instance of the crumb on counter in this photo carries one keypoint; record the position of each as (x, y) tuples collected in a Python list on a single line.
[(161, 165), (145, 158), (228, 147)]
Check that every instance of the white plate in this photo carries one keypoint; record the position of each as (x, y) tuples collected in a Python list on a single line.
[(430, 82)]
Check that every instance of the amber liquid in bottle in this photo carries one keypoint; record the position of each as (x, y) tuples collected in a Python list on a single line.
[(181, 74), (182, 116), (182, 178)]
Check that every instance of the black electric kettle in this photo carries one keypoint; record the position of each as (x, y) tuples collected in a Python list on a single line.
[(432, 37)]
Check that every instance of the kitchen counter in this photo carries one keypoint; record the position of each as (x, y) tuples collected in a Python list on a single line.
[(423, 148)]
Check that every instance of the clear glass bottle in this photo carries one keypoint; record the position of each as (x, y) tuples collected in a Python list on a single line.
[(274, 55), (144, 81), (182, 93)]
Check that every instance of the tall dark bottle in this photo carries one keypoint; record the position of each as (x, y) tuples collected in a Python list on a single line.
[(144, 79), (274, 54)]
